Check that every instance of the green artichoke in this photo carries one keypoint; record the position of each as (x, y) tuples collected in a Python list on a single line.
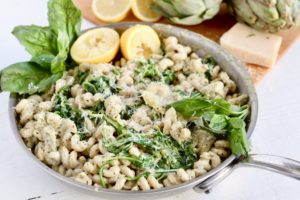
[(187, 12), (266, 15)]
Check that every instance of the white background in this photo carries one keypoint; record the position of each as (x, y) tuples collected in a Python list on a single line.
[(277, 131)]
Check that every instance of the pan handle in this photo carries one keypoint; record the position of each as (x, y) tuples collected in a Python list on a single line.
[(278, 164), (210, 182)]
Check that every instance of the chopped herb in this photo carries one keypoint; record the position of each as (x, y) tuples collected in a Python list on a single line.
[(127, 112), (63, 108), (148, 70), (116, 72), (100, 84), (169, 76), (80, 76), (211, 63), (99, 107)]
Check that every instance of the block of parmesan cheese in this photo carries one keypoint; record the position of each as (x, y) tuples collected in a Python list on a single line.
[(251, 46)]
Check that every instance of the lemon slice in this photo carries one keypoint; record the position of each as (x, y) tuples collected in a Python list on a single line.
[(142, 10), (96, 46), (111, 10), (139, 41)]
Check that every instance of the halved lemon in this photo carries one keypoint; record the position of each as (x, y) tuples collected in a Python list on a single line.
[(111, 10), (139, 41), (142, 10), (96, 46)]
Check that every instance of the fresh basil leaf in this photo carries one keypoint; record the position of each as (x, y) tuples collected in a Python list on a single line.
[(191, 107), (46, 83), (237, 123), (25, 78), (64, 16), (202, 123), (37, 40), (197, 104), (63, 42), (40, 42), (58, 63), (218, 122), (238, 140), (44, 60), (64, 20), (221, 106), (49, 47), (218, 117)]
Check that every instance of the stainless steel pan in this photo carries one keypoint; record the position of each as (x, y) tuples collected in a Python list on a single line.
[(238, 73)]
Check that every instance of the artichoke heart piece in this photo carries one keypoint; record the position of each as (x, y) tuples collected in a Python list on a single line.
[(203, 140), (266, 15), (187, 12)]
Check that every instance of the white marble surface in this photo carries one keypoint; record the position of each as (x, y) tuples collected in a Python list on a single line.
[(277, 131)]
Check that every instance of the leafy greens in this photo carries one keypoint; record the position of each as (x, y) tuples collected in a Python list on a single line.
[(49, 48), (27, 77), (162, 154), (148, 69), (210, 63), (219, 118), (63, 108), (100, 84)]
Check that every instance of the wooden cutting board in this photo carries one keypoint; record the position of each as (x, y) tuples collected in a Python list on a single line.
[(212, 29)]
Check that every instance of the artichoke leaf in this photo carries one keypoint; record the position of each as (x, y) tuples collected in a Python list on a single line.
[(165, 8), (187, 12), (192, 20), (267, 15), (189, 7)]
